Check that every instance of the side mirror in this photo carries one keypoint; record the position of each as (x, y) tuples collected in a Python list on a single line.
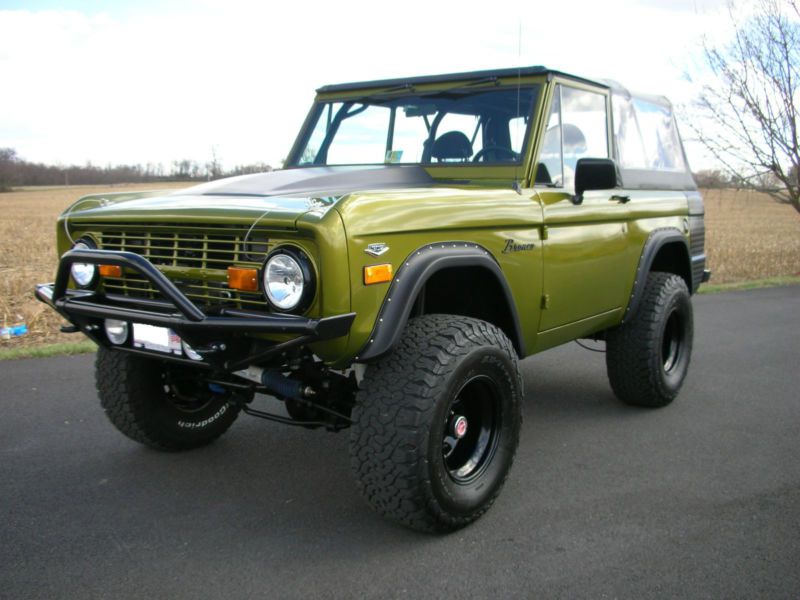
[(594, 174)]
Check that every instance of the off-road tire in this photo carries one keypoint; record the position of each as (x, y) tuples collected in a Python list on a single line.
[(401, 413), (647, 358), (136, 400)]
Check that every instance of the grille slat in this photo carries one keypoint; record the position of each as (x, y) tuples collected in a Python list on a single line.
[(200, 261), (210, 296), (211, 251)]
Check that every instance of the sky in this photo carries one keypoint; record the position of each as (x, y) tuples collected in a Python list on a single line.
[(119, 81)]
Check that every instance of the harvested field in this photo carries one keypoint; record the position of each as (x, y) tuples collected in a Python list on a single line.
[(28, 255), (748, 236)]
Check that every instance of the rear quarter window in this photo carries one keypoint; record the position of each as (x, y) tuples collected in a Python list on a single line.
[(646, 135)]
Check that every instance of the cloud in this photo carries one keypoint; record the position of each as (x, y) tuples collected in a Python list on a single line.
[(158, 84), (685, 6)]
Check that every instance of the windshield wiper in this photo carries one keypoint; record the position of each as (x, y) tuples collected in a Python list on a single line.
[(388, 92), (483, 81), (391, 92)]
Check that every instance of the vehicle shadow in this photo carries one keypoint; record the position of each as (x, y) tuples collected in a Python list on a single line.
[(264, 481), (569, 382)]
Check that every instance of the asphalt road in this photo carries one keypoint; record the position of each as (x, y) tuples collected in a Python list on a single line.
[(698, 500)]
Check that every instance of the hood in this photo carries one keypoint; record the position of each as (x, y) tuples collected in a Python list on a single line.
[(316, 181), (277, 197)]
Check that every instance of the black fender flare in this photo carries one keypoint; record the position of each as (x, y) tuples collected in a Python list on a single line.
[(410, 278), (657, 239)]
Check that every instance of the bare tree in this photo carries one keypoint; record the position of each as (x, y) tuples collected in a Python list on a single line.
[(8, 168), (712, 178), (214, 168), (15, 170), (748, 112)]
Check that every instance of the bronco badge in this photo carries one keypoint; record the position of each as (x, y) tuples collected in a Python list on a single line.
[(512, 246)]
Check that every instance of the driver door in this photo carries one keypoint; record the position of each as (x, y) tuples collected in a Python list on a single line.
[(586, 245)]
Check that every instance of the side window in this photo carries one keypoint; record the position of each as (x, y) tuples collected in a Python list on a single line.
[(550, 170), (583, 129), (628, 137), (646, 135), (575, 129)]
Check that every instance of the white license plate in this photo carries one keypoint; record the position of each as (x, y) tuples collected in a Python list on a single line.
[(160, 339)]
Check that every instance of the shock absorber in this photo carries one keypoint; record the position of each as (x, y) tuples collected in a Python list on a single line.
[(277, 384)]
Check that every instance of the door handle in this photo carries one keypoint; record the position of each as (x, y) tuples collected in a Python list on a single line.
[(620, 199)]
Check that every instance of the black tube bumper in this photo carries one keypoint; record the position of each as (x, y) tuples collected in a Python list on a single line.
[(87, 309)]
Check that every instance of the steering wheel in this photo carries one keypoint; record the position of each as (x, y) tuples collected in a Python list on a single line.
[(480, 154)]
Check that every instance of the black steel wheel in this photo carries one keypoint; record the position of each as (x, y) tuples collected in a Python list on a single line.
[(648, 357), (436, 423), (159, 405), (470, 429), (673, 343)]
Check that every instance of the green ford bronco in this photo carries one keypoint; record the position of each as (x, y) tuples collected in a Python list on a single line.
[(426, 235)]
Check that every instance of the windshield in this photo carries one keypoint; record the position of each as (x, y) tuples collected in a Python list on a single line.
[(460, 126)]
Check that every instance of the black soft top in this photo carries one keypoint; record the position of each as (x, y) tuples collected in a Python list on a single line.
[(455, 77), (644, 178)]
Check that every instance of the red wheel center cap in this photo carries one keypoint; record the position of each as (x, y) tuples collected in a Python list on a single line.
[(460, 427)]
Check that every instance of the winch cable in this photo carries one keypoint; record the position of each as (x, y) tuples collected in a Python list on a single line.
[(249, 231), (100, 202)]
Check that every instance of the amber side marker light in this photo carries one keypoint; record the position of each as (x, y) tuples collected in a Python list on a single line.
[(377, 274), (243, 279), (110, 270)]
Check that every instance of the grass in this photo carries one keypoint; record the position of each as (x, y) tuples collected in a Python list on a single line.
[(751, 241), (43, 351), (711, 288)]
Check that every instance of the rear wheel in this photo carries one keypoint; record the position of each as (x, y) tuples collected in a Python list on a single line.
[(160, 405), (648, 357), (437, 423)]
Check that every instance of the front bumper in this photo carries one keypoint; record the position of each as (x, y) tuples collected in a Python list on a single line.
[(220, 338)]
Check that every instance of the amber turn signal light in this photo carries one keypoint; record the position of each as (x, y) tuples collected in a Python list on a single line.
[(243, 279), (377, 274), (110, 271)]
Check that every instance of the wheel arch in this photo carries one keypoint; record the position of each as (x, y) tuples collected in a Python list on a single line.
[(454, 266), (666, 250)]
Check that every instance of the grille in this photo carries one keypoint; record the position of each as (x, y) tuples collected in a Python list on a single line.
[(195, 259)]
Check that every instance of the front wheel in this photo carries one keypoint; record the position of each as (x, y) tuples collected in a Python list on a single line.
[(437, 423), (162, 406), (648, 357)]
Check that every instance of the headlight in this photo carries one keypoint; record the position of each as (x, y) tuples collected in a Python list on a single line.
[(288, 279), (83, 274)]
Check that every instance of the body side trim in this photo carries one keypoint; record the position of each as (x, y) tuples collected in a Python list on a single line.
[(697, 235)]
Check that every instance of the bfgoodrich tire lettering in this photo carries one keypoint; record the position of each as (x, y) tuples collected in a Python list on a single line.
[(648, 357), (160, 406), (407, 458)]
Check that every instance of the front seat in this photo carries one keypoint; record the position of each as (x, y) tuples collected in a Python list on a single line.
[(453, 145)]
